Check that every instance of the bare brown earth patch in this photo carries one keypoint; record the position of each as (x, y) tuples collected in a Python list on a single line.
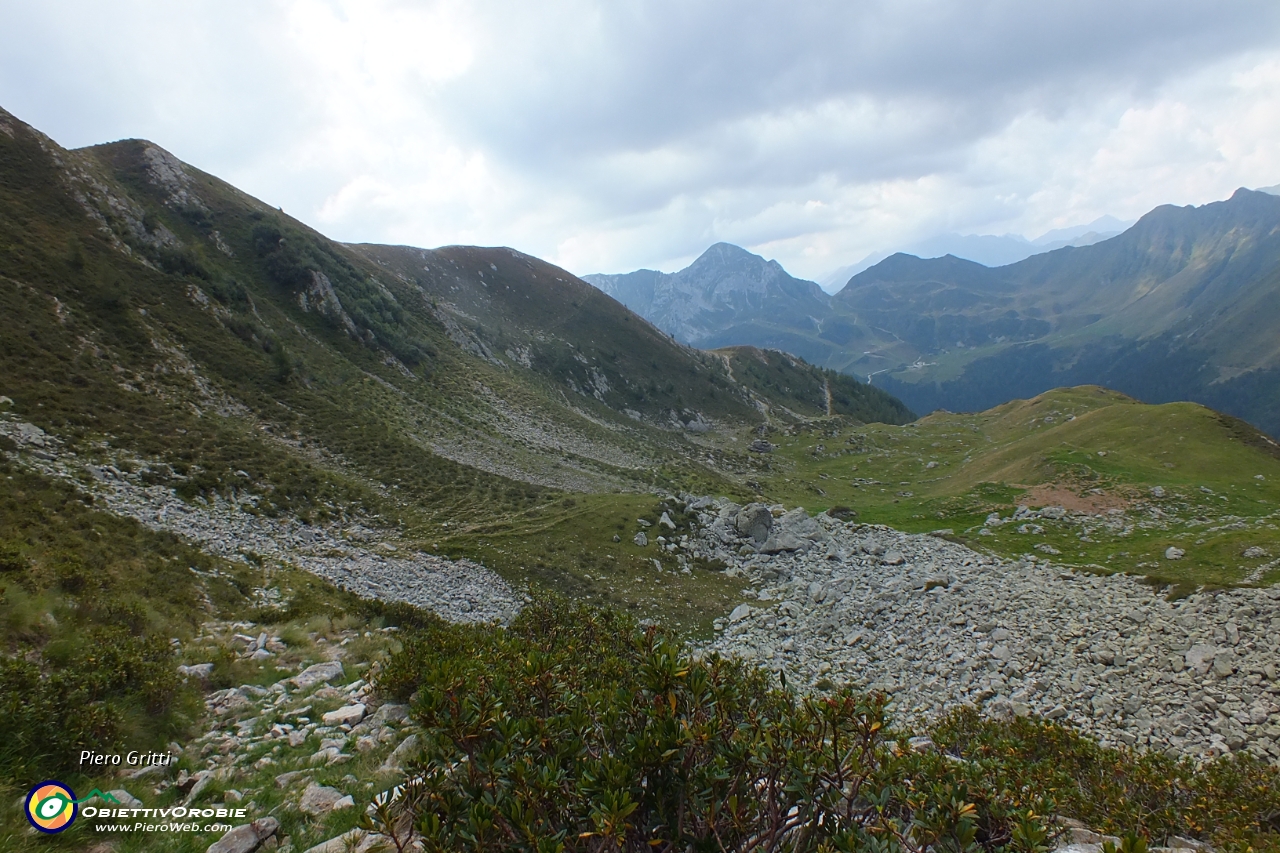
[(1091, 501)]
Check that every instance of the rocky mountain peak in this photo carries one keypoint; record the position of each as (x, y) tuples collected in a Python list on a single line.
[(710, 302)]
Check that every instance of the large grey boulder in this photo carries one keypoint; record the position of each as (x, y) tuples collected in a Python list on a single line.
[(1200, 657), (754, 521), (402, 753), (798, 523), (391, 713), (200, 671)]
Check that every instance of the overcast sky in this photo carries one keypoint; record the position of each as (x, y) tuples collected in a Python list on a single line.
[(606, 136)]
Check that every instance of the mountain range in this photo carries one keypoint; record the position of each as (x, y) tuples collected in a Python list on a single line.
[(987, 249), (1181, 306), (166, 295)]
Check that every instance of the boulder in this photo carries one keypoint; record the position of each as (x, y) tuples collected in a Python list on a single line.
[(641, 539), (1200, 657), (391, 713), (754, 521), (401, 754), (199, 782), (246, 838), (199, 671), (348, 715), (1174, 553), (319, 800), (317, 674), (665, 521), (284, 780), (799, 524), (126, 799), (782, 541), (327, 755), (742, 611)]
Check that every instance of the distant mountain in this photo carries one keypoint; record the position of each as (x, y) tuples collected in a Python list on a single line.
[(986, 249), (1082, 235), (1183, 305), (727, 296)]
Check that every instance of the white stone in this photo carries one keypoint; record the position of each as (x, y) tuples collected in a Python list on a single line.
[(347, 715), (317, 674)]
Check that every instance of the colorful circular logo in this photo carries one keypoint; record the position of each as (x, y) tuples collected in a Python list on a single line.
[(51, 806)]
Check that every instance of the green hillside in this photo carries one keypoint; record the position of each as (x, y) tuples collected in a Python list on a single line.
[(1134, 480), (155, 308)]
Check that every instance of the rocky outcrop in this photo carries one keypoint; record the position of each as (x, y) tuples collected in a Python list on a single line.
[(321, 295)]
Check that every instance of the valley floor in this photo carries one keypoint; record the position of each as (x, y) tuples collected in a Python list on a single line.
[(931, 622)]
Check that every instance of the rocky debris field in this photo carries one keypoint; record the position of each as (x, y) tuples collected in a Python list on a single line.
[(309, 745), (358, 559), (936, 624)]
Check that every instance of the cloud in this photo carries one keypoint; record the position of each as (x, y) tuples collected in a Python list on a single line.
[(612, 135)]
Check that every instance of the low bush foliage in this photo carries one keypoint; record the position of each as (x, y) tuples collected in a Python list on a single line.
[(578, 730), (84, 694), (1233, 801)]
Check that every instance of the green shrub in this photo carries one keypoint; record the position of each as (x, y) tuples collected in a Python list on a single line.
[(1234, 800), (81, 694), (577, 730)]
